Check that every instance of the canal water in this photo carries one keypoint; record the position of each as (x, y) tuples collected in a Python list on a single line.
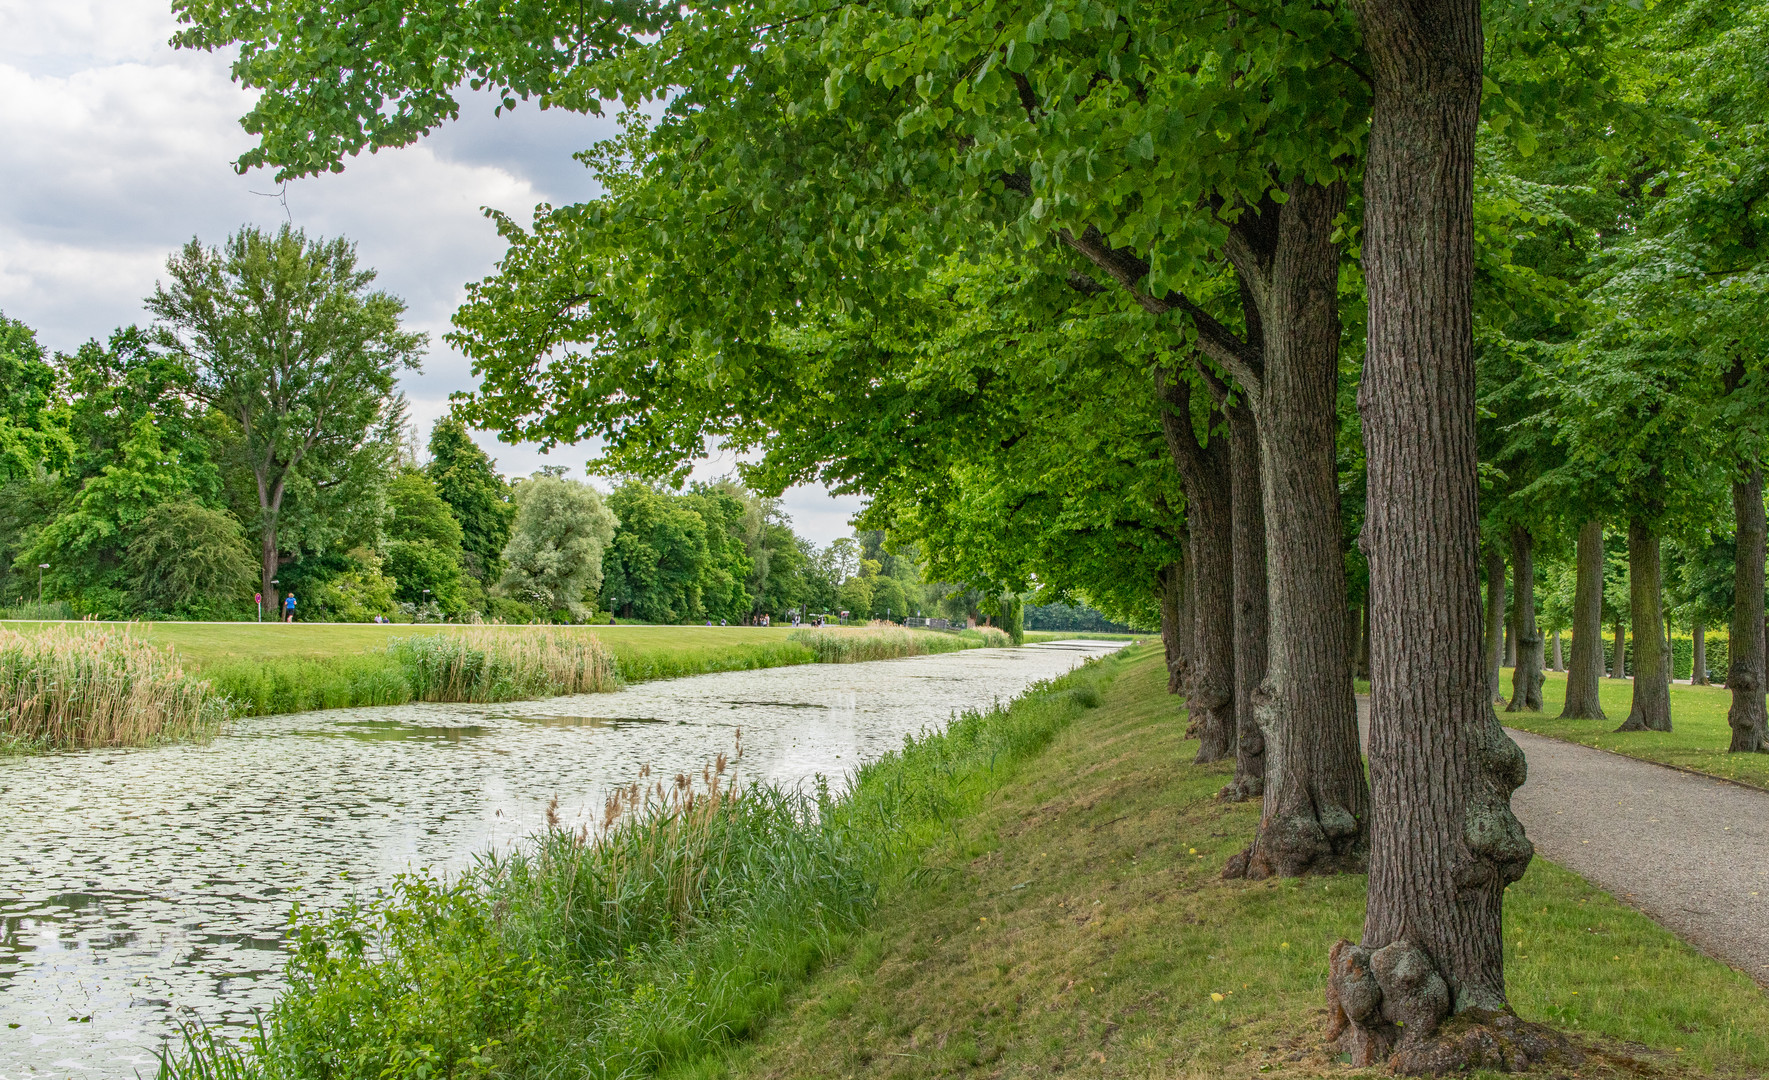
[(140, 887)]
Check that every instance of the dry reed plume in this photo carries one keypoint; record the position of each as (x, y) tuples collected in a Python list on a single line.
[(85, 687)]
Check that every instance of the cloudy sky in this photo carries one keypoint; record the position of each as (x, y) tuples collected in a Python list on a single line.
[(117, 150)]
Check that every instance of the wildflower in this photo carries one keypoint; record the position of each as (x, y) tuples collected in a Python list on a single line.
[(1215, 997), (1193, 851), (1284, 946)]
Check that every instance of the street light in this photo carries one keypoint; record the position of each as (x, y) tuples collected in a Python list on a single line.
[(42, 566)]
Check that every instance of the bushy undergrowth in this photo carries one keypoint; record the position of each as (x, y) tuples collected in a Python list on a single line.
[(655, 942), (81, 687), (832, 646), (478, 665), (989, 637)]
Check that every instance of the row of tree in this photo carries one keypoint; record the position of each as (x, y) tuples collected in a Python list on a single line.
[(1244, 318), (251, 441)]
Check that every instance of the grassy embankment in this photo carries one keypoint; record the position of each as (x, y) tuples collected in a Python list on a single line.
[(262, 669), (1697, 741), (986, 908)]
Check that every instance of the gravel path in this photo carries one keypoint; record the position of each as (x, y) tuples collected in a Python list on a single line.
[(1689, 851)]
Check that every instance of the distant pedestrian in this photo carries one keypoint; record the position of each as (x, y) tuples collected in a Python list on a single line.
[(289, 608)]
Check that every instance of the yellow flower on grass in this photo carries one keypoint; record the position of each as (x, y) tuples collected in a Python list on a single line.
[(1215, 997), (1284, 945), (1192, 851)]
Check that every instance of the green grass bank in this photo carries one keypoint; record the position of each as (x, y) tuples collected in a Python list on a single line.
[(1697, 740), (1035, 891)]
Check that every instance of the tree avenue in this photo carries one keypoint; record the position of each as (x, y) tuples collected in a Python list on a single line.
[(1078, 295)]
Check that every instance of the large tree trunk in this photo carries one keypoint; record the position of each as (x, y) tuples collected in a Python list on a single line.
[(1495, 622), (1316, 811), (1251, 618), (1204, 472), (1169, 582), (1585, 674), (1698, 654), (1651, 709), (1443, 841), (1363, 642), (1526, 674), (1559, 663), (1510, 638), (1745, 675)]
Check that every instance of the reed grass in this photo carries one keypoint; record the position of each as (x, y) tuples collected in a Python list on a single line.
[(477, 665), (841, 646), (664, 935), (68, 687)]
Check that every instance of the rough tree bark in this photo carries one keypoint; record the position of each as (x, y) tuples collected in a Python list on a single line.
[(1619, 669), (1526, 674), (1651, 706), (1510, 638), (1316, 808), (1204, 472), (1495, 621), (1745, 674), (1698, 654), (1169, 588), (1443, 841), (1363, 642), (1251, 617), (1559, 662), (1585, 673)]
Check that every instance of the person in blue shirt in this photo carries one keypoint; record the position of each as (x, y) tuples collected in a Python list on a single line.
[(289, 608)]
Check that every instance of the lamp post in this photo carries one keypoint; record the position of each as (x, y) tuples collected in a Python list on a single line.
[(42, 566)]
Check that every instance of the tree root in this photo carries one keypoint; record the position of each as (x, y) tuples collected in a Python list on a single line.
[(1390, 1004), (1328, 841)]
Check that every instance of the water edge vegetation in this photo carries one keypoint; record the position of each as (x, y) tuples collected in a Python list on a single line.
[(673, 930), (93, 685)]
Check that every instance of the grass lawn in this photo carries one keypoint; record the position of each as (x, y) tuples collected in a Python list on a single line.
[(1698, 738), (1077, 924)]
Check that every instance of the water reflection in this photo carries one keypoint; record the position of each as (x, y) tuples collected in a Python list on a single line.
[(140, 883)]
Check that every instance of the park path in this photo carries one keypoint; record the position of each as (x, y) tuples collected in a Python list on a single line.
[(1689, 851)]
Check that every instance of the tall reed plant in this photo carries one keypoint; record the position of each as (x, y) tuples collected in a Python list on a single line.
[(74, 686), (485, 664), (839, 646), (644, 945)]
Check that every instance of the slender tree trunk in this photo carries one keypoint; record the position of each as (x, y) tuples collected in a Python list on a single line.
[(1526, 674), (1585, 674), (1559, 665), (1443, 841), (1316, 811), (1495, 621), (1169, 581), (1251, 618), (1698, 654), (270, 564), (1619, 670), (1651, 709), (1204, 472), (1745, 677), (1510, 638)]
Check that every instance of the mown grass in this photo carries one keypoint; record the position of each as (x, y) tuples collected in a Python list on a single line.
[(1077, 924), (79, 686), (653, 945), (1697, 740)]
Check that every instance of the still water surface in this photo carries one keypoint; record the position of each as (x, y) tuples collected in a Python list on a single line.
[(137, 886)]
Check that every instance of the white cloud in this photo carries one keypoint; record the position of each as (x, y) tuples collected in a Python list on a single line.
[(118, 150)]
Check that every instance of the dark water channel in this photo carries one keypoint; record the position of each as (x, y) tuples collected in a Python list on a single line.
[(139, 886)]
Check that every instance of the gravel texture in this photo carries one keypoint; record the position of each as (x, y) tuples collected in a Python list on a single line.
[(1689, 851)]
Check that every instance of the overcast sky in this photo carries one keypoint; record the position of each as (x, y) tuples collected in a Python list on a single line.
[(117, 150)]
